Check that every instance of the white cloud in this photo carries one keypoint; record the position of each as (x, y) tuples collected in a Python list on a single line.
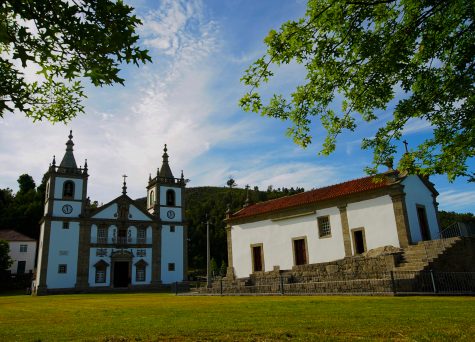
[(415, 125), (456, 200)]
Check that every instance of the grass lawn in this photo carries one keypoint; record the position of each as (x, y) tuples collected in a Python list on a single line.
[(144, 317)]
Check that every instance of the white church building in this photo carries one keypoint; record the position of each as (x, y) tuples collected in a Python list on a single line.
[(117, 245), (331, 223)]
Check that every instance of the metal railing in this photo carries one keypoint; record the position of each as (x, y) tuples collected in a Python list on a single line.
[(385, 283), (452, 230)]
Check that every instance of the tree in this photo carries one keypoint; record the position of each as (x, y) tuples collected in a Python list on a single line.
[(5, 260), (67, 40), (358, 54), (26, 183), (231, 182)]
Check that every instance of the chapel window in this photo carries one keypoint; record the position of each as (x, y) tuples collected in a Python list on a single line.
[(68, 189), (324, 229), (171, 266), (170, 198), (65, 225)]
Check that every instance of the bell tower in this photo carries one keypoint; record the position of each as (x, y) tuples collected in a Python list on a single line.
[(66, 196), (166, 200)]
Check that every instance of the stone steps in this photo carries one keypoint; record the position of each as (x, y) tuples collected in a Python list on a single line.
[(418, 257)]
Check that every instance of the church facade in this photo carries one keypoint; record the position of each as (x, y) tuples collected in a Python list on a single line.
[(119, 245), (331, 223)]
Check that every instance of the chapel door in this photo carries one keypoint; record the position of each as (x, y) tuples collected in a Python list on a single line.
[(300, 252), (424, 226), (257, 258)]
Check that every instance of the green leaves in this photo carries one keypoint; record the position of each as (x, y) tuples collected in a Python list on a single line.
[(68, 40), (363, 51)]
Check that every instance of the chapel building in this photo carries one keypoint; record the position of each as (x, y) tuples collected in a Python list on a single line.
[(331, 223), (119, 245)]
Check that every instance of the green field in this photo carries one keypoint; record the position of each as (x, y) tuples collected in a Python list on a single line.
[(149, 317)]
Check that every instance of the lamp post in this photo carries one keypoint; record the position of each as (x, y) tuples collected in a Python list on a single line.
[(208, 271)]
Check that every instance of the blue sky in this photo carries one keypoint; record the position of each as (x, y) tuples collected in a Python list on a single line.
[(188, 99)]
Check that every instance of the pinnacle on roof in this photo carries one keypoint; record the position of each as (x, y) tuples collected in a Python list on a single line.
[(68, 159), (165, 171)]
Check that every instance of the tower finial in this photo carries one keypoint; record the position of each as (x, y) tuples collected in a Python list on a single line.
[(124, 187), (54, 160), (165, 171)]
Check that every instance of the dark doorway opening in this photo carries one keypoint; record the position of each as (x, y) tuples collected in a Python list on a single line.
[(359, 241), (21, 267), (300, 251), (424, 226), (257, 259), (121, 274)]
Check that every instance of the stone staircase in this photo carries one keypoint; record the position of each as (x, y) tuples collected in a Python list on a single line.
[(423, 255)]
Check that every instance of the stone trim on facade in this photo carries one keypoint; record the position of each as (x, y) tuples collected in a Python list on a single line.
[(402, 222), (44, 247), (345, 230)]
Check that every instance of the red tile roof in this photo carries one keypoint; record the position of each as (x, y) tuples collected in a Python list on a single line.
[(12, 235), (314, 196)]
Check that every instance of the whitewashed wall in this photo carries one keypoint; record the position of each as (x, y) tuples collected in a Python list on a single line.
[(376, 216), (418, 194), (276, 237), (172, 252), (107, 212), (62, 240)]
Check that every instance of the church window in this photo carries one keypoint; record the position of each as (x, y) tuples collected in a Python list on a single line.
[(100, 275), (101, 267), (172, 229), (171, 266), (324, 229), (140, 269), (68, 189), (141, 235), (170, 198), (101, 235), (140, 276), (152, 198), (62, 268), (23, 248), (141, 252), (65, 225)]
